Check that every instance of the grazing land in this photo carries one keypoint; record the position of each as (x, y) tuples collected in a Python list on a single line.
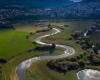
[(13, 42)]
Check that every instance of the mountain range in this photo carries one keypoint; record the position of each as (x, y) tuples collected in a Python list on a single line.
[(49, 9)]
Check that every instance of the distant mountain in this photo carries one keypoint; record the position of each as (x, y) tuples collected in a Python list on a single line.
[(11, 10), (88, 9), (15, 10)]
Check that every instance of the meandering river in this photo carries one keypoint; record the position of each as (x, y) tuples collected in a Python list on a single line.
[(27, 63), (87, 74)]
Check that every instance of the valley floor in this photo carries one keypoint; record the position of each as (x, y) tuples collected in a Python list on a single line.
[(20, 48)]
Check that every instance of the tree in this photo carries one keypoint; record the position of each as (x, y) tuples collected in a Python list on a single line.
[(27, 37), (81, 64), (91, 58), (2, 61), (52, 48)]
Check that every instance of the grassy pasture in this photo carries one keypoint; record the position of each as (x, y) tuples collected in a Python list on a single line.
[(13, 42), (29, 28), (8, 70)]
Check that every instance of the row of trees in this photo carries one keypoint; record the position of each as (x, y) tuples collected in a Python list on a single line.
[(65, 66), (51, 48)]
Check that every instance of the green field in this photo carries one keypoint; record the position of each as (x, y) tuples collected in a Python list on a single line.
[(29, 28), (13, 42), (14, 45), (18, 50)]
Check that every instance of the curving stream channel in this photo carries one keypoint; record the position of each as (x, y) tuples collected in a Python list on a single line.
[(20, 70)]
